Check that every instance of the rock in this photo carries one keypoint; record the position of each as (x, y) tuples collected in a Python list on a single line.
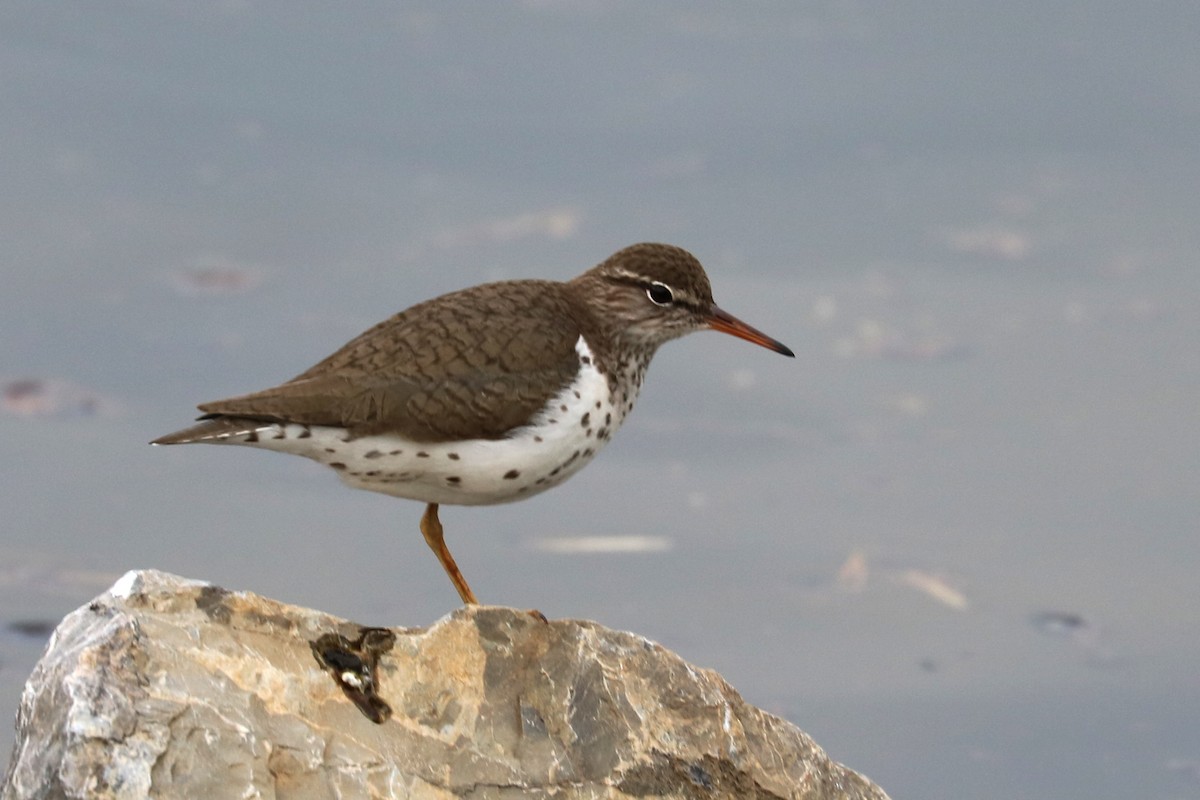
[(167, 687)]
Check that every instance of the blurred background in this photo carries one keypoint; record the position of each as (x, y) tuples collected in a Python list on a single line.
[(955, 540)]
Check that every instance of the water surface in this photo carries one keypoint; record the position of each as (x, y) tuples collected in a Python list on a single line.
[(955, 539)]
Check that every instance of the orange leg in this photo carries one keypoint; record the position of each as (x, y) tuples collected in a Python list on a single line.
[(431, 527)]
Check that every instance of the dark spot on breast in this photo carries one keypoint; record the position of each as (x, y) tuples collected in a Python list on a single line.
[(588, 453), (371, 473), (395, 452), (578, 396), (330, 450), (453, 479), (585, 359), (372, 454), (422, 454), (563, 408), (589, 433), (512, 474), (586, 419), (597, 405), (608, 419), (337, 465), (252, 436), (538, 439), (279, 434), (452, 456), (305, 434), (540, 481)]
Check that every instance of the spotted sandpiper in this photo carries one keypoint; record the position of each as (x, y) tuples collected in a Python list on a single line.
[(486, 395)]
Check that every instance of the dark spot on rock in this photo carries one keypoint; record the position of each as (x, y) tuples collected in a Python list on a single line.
[(211, 601), (353, 665), (707, 776), (512, 474), (699, 776)]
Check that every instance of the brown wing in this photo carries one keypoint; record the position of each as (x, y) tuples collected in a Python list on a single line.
[(472, 364)]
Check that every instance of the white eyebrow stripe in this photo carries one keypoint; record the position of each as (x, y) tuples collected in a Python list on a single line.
[(633, 276), (680, 296)]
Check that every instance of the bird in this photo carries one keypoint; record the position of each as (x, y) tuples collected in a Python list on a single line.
[(485, 395)]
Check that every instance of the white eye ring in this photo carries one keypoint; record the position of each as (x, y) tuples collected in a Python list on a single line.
[(660, 294)]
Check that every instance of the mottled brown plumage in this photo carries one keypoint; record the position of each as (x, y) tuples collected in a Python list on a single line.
[(472, 364), (485, 395), (479, 362)]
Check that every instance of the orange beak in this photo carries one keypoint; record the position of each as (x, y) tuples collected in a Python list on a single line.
[(725, 322)]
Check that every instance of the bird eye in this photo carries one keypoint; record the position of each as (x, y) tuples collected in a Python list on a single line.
[(660, 294)]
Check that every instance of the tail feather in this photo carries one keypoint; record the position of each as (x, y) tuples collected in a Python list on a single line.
[(217, 430)]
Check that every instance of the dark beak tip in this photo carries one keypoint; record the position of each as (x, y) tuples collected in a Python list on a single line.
[(725, 322)]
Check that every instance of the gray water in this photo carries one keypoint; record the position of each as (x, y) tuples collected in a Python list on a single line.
[(955, 540)]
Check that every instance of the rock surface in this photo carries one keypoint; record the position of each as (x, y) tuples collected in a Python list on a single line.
[(165, 687)]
